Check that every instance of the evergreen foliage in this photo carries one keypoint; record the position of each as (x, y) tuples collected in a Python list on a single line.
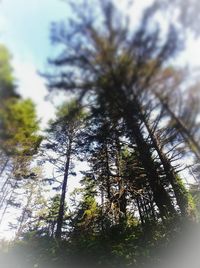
[(122, 128)]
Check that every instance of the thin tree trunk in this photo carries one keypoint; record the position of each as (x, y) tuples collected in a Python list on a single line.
[(22, 218), (63, 195), (4, 166), (7, 204), (122, 192), (5, 183), (140, 211), (3, 196), (108, 174)]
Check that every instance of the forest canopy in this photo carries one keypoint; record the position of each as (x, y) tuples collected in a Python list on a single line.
[(128, 130)]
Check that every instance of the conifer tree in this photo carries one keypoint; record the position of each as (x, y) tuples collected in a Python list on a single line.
[(117, 67), (62, 142)]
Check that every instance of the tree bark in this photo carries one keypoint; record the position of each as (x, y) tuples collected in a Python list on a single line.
[(63, 195), (160, 195)]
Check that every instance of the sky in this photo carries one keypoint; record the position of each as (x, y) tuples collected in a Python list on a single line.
[(25, 30), (25, 27)]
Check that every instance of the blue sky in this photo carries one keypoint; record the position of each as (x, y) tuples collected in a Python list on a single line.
[(25, 30), (25, 27)]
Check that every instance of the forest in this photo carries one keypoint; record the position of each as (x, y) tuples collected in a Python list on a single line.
[(124, 137)]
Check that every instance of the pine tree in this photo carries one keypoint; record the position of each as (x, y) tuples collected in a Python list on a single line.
[(62, 141), (115, 76)]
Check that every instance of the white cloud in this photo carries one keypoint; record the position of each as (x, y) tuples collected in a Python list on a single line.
[(32, 85)]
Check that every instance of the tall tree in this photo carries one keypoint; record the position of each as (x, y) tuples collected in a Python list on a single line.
[(120, 67), (20, 142), (62, 141)]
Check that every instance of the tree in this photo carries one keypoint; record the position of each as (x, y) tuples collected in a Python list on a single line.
[(19, 144), (85, 220), (121, 69), (62, 141), (7, 92), (7, 82)]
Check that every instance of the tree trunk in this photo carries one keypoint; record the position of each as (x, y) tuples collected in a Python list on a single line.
[(161, 197), (23, 215), (3, 167), (180, 195), (129, 111), (108, 174), (63, 194)]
